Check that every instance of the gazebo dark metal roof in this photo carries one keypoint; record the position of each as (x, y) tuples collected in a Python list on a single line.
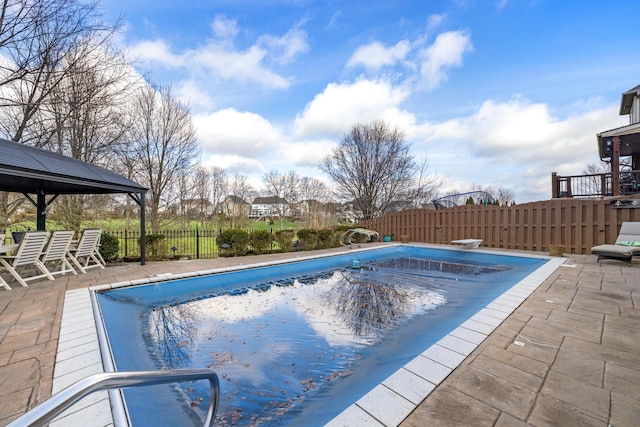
[(29, 170)]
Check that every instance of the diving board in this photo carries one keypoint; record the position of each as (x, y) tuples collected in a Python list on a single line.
[(468, 243)]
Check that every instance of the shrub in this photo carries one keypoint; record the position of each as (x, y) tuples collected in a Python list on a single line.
[(284, 239), (156, 245), (233, 242), (109, 247), (261, 241), (327, 238), (308, 238)]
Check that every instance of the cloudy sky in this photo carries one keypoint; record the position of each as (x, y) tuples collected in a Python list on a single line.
[(493, 92)]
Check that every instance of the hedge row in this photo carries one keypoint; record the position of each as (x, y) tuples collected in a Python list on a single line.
[(241, 242)]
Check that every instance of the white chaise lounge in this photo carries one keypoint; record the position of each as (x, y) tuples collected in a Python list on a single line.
[(626, 247)]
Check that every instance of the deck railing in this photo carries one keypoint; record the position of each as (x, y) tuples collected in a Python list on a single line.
[(594, 185)]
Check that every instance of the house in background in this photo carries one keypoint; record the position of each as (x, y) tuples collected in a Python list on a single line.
[(315, 213), (263, 208), (350, 212), (234, 206), (196, 208)]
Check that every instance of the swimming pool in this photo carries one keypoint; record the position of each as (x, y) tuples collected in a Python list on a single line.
[(442, 301)]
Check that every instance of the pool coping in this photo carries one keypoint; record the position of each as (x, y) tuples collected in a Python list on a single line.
[(387, 404)]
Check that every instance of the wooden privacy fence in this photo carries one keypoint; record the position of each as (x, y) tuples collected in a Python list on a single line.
[(578, 224)]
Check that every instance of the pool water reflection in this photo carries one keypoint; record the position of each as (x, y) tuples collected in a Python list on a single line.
[(284, 344)]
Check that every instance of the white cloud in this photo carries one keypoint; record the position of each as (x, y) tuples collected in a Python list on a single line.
[(224, 28), (220, 60), (155, 51), (189, 92), (434, 21), (505, 136), (431, 62), (235, 164), (243, 66), (375, 55), (340, 106), (284, 49), (446, 52), (306, 153), (233, 132)]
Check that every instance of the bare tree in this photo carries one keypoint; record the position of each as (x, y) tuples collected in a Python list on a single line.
[(162, 139), (201, 185), (179, 197), (36, 39), (45, 44), (86, 118), (284, 189), (313, 193), (505, 196), (219, 187), (230, 195), (595, 182), (373, 167), (237, 203), (9, 205)]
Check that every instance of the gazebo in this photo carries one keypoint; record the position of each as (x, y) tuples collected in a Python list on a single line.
[(45, 174)]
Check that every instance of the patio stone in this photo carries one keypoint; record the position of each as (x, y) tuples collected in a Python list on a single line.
[(554, 412), (508, 373), (18, 376), (14, 404), (498, 393), (447, 407), (625, 410), (589, 398), (519, 361), (622, 379), (578, 364)]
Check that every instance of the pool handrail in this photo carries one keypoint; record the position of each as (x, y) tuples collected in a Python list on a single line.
[(52, 407)]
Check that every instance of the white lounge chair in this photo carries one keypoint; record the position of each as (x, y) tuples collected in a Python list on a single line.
[(27, 257), (626, 247), (2, 282), (86, 255), (54, 256)]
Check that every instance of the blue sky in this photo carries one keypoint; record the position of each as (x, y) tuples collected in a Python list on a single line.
[(493, 92)]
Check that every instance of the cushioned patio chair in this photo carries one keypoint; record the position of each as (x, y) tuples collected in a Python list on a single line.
[(54, 256), (27, 259), (626, 247), (85, 254)]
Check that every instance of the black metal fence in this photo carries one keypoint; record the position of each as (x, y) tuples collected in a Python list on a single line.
[(195, 244)]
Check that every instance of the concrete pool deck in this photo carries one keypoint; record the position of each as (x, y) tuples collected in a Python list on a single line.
[(568, 355)]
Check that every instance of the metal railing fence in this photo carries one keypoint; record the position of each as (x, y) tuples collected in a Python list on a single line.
[(194, 243)]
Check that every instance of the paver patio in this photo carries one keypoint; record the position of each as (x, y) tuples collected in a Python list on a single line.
[(569, 355)]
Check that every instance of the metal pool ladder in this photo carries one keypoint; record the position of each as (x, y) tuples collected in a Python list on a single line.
[(48, 410)]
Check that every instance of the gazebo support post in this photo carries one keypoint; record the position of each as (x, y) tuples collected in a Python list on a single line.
[(41, 208), (143, 229), (615, 165), (140, 199)]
